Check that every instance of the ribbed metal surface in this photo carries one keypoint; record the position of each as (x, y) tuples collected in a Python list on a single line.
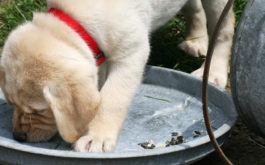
[(248, 66)]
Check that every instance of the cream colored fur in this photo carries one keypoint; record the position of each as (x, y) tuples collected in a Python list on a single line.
[(51, 57)]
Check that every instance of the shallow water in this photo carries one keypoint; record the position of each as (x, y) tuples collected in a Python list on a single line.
[(155, 113)]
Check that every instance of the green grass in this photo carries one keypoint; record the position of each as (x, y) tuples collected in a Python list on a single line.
[(159, 99), (164, 41), (165, 50), (15, 12), (238, 8)]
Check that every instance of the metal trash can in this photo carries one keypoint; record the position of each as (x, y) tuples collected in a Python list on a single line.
[(248, 67)]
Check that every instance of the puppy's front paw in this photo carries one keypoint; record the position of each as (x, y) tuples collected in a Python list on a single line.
[(215, 77), (99, 138), (90, 143), (196, 47)]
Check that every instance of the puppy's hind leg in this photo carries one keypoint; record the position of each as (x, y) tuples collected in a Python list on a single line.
[(220, 60), (196, 43)]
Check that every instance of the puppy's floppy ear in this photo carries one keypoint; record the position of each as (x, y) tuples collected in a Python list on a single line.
[(73, 106)]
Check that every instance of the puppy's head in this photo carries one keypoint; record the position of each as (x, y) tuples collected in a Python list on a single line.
[(50, 84)]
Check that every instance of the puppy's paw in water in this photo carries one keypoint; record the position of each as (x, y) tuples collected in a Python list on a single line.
[(195, 47), (96, 141), (94, 144), (215, 77)]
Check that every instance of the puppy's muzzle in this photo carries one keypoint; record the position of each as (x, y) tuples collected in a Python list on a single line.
[(21, 137)]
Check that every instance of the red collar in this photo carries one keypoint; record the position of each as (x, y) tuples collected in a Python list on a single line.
[(99, 56)]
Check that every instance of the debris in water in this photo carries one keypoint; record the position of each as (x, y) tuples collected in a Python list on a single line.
[(196, 134), (148, 145), (174, 134)]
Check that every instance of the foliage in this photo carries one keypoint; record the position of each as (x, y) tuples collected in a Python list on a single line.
[(15, 12), (238, 8), (165, 50)]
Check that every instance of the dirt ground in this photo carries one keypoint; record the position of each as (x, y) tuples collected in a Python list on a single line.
[(243, 148)]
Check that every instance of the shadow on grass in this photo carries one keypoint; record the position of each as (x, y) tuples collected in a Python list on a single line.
[(165, 50)]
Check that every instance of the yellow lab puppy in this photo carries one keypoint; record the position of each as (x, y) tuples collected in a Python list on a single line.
[(48, 72)]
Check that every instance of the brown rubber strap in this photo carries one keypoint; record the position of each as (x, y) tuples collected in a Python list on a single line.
[(205, 82)]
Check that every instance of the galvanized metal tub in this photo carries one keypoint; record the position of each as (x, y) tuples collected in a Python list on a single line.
[(248, 66), (167, 101)]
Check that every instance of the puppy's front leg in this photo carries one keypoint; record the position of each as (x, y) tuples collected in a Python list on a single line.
[(123, 79)]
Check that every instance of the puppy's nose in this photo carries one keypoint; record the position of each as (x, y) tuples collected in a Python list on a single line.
[(21, 137)]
